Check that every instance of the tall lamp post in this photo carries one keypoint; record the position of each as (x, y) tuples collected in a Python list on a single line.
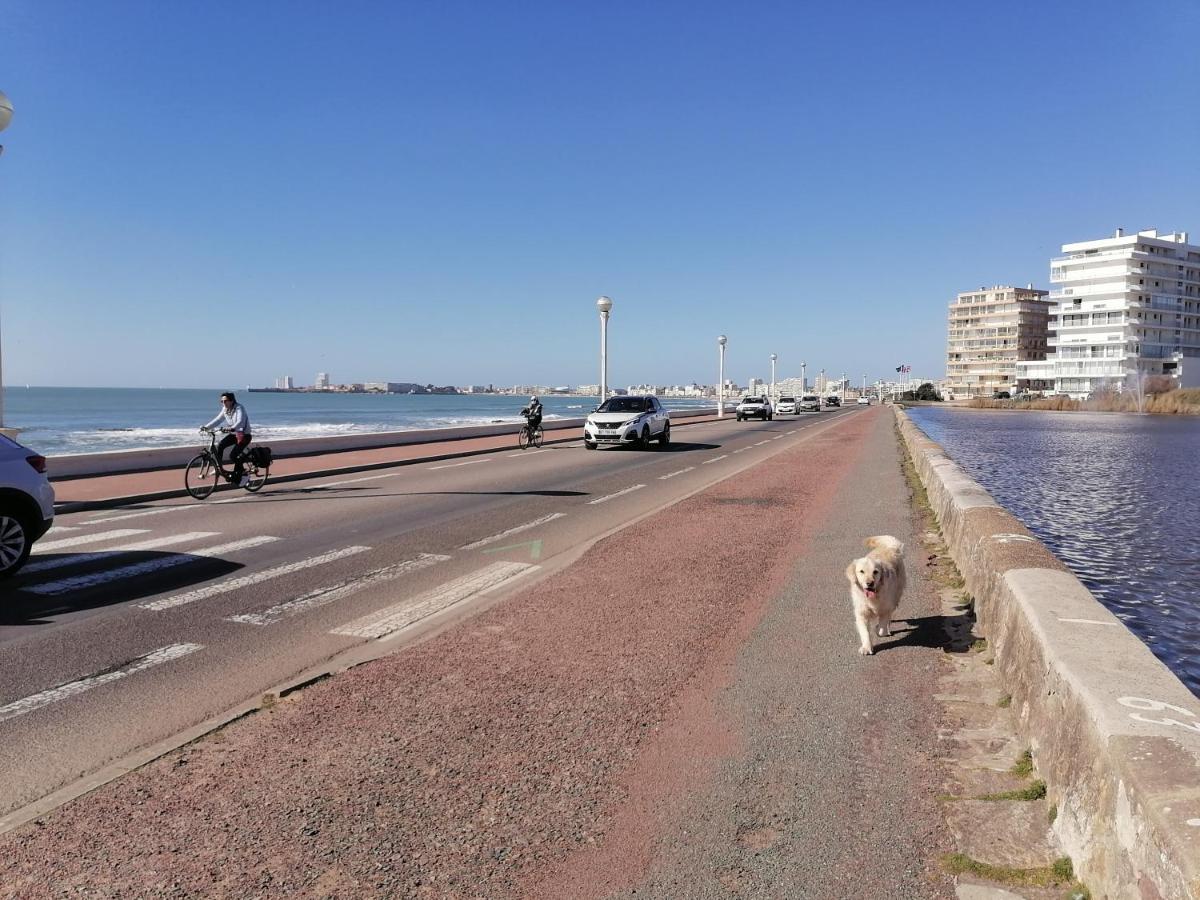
[(803, 378), (773, 358), (604, 304), (721, 341), (842, 388), (6, 111)]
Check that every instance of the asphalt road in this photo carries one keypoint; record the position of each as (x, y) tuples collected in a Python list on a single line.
[(132, 625)]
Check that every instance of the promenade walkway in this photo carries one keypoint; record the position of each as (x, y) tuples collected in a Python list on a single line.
[(681, 713)]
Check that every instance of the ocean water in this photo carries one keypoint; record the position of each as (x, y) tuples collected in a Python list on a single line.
[(62, 421)]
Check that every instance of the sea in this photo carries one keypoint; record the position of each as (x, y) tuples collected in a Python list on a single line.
[(69, 421)]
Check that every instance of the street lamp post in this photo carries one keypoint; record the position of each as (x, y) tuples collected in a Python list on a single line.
[(721, 342), (824, 387), (604, 304), (773, 358), (6, 111), (842, 387), (803, 378)]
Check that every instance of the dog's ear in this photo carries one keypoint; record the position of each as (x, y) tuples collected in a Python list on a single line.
[(850, 573)]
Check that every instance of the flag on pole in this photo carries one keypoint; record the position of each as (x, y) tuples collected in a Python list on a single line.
[(899, 368)]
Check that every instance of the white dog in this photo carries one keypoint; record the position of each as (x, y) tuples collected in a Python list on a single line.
[(876, 583)]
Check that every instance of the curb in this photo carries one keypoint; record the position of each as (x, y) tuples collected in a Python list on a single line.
[(1115, 732)]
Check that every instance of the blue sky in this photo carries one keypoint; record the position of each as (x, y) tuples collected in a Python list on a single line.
[(199, 194)]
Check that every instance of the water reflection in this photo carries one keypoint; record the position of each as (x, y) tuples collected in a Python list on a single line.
[(1116, 497)]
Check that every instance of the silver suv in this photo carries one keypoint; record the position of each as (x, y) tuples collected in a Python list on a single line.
[(26, 503), (635, 420)]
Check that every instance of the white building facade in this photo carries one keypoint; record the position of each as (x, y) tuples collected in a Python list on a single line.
[(1126, 308), (990, 330)]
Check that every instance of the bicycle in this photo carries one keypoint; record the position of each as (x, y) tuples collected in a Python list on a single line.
[(529, 436), (205, 469)]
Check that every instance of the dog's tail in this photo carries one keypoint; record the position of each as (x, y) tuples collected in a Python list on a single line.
[(885, 541)]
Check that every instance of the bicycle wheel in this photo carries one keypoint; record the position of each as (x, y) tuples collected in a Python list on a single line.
[(536, 440), (200, 476), (257, 476), (523, 438)]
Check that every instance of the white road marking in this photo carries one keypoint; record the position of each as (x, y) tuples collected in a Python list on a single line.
[(350, 481), (71, 688), (714, 459), (741, 449), (605, 499), (109, 552), (137, 515), (527, 453), (673, 474), (760, 443), (62, 529), (777, 438), (324, 595), (503, 534), (92, 579), (51, 546), (469, 462), (392, 619), (234, 584), (791, 432)]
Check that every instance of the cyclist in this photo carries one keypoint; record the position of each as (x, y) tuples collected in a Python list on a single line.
[(235, 422), (533, 414)]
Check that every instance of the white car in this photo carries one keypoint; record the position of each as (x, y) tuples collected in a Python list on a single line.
[(863, 401), (635, 420), (810, 403), (786, 405), (754, 408), (26, 503)]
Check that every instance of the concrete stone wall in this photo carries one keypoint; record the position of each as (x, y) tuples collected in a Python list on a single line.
[(1114, 733)]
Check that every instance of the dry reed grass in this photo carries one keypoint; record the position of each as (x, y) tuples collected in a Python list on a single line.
[(1183, 402)]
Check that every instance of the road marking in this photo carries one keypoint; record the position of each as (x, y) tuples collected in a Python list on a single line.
[(760, 443), (151, 565), (741, 449), (673, 474), (71, 688), (88, 539), (503, 534), (233, 584), (777, 438), (395, 618), (636, 487), (469, 462), (792, 432), (714, 459), (154, 543), (535, 548), (145, 512), (330, 484), (528, 453), (322, 596), (62, 529)]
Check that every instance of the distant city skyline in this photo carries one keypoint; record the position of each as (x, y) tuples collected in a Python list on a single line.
[(442, 191)]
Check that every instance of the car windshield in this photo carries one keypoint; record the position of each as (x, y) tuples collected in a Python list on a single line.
[(752, 400), (624, 405), (787, 399), (810, 398)]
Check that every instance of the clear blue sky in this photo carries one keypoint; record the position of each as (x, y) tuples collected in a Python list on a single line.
[(201, 194)]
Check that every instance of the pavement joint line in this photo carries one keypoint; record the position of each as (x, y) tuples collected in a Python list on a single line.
[(607, 497), (234, 584), (1094, 622), (714, 459), (79, 686), (51, 546), (483, 542), (145, 512), (325, 595), (151, 565), (393, 619), (673, 474), (469, 462), (70, 559)]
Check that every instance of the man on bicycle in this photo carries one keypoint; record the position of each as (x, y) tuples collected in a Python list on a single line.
[(533, 414), (235, 422)]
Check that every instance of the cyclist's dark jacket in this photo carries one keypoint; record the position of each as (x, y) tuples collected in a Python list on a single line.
[(534, 413)]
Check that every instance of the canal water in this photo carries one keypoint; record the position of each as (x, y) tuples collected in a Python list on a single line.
[(1115, 496)]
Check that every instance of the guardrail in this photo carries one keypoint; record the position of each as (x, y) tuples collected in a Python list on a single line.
[(1115, 734), (127, 461)]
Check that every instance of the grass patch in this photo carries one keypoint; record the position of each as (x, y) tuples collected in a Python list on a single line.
[(1056, 875), (1005, 702), (1052, 813), (1023, 767), (1035, 791), (989, 662), (979, 645)]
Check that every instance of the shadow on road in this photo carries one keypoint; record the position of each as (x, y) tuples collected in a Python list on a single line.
[(951, 634)]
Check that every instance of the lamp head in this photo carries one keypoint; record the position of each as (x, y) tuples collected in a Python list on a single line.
[(604, 304), (6, 111), (722, 340)]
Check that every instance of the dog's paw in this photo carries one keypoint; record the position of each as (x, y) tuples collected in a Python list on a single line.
[(883, 632), (865, 651)]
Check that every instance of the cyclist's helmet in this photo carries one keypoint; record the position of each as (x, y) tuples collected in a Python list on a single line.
[(533, 399)]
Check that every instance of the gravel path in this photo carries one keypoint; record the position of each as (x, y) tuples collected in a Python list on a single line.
[(680, 713)]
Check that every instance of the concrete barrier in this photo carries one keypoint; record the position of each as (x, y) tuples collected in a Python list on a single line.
[(86, 465), (1115, 734)]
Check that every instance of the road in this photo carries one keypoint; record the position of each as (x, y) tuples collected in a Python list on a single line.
[(132, 625)]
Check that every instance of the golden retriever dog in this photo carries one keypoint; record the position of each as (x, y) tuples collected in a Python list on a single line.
[(876, 583)]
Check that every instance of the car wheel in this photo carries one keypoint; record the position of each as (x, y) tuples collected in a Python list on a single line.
[(739, 418), (665, 437), (645, 441), (591, 445), (14, 544)]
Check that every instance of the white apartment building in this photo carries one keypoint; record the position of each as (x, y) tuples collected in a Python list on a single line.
[(990, 330), (322, 381), (1126, 307)]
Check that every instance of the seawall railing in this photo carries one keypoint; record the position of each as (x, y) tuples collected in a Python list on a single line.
[(1115, 734)]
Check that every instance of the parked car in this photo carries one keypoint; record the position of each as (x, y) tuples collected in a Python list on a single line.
[(1001, 395), (26, 503), (833, 401), (863, 401), (810, 403), (755, 408), (634, 420), (786, 405)]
